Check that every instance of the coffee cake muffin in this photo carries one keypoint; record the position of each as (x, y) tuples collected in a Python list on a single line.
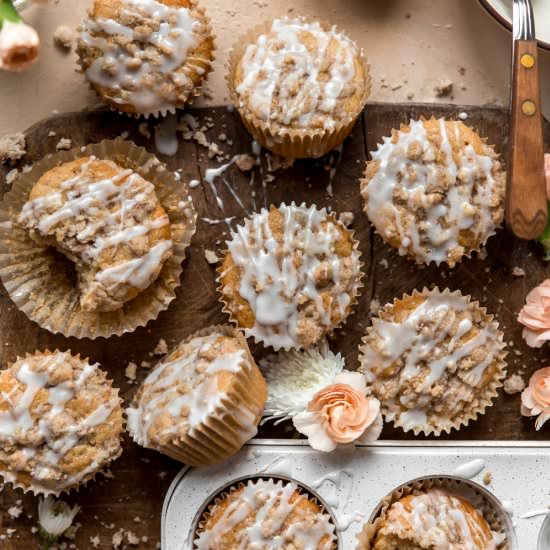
[(202, 402), (299, 85), (434, 190), (433, 519), (434, 360), (145, 56), (265, 514), (290, 276), (60, 422), (108, 221)]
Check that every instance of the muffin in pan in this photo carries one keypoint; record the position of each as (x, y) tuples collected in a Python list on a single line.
[(434, 359), (203, 401), (61, 422), (108, 221), (145, 57), (265, 513), (290, 276), (434, 190), (299, 85)]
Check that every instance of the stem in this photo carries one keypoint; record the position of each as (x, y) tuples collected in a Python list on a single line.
[(8, 13)]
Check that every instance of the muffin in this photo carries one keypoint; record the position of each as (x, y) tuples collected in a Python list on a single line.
[(299, 85), (105, 219), (202, 402), (433, 518), (434, 190), (61, 422), (265, 514), (290, 276), (145, 56), (434, 360)]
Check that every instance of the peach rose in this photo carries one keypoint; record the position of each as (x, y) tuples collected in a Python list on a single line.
[(535, 315), (341, 414), (535, 399)]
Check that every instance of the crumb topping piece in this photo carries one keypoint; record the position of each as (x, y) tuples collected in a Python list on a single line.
[(301, 75), (429, 358), (291, 275), (266, 514), (108, 221), (434, 190), (60, 422)]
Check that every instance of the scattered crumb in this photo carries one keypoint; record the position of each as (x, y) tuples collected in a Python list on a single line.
[(161, 347), (130, 372), (52, 133), (12, 147), (487, 478), (133, 540), (374, 306), (444, 87), (347, 218), (64, 37), (145, 364), (15, 511), (482, 254), (518, 271), (384, 263), (12, 175), (514, 384), (410, 96), (95, 541), (211, 256), (118, 538), (245, 162), (143, 129), (64, 144)]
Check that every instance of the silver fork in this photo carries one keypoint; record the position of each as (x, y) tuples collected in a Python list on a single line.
[(526, 202)]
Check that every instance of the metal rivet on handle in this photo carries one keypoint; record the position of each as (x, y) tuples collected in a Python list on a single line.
[(527, 61), (528, 107)]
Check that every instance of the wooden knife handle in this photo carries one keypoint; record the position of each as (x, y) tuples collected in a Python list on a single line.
[(526, 202)]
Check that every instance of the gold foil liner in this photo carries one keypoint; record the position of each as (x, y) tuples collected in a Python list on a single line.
[(36, 279), (227, 491), (478, 496), (226, 307), (193, 94), (220, 436), (291, 142), (11, 478), (364, 182), (489, 393)]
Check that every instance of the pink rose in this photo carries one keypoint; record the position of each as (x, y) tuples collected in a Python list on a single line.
[(341, 414), (535, 315), (535, 399)]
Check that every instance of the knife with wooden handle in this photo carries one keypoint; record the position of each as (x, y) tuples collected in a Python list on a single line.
[(526, 202)]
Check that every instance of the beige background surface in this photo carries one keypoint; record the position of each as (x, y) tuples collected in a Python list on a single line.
[(411, 45)]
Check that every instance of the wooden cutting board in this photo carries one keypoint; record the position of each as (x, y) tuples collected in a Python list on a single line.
[(132, 498)]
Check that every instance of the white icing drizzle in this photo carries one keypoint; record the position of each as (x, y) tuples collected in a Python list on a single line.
[(435, 236), (188, 394), (141, 62), (427, 349), (109, 213), (278, 278), (45, 436), (470, 469), (262, 516), (439, 520), (166, 136)]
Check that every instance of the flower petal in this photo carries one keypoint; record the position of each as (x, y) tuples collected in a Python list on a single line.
[(311, 425), (356, 380)]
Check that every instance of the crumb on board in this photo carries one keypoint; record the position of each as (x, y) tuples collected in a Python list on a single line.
[(487, 477), (211, 256), (514, 384), (63, 37), (374, 306), (518, 271), (12, 147), (130, 372), (12, 175), (347, 218), (245, 162), (95, 541), (161, 347), (444, 87), (64, 144)]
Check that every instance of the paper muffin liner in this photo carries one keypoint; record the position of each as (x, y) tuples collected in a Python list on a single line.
[(485, 400), (195, 92), (11, 479), (291, 142), (354, 298), (221, 494), (364, 182), (220, 435), (479, 497), (37, 280)]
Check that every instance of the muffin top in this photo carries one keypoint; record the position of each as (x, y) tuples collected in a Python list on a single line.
[(145, 56), (60, 422), (433, 359), (265, 514), (435, 519), (301, 74), (434, 190), (108, 221), (290, 276), (187, 388)]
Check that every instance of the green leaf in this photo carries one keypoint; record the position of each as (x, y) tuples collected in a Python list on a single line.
[(544, 239), (8, 13)]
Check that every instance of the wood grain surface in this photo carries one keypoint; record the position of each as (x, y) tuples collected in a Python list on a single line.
[(132, 497)]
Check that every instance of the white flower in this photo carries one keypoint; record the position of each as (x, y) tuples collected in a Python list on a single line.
[(55, 516), (19, 46), (294, 377)]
